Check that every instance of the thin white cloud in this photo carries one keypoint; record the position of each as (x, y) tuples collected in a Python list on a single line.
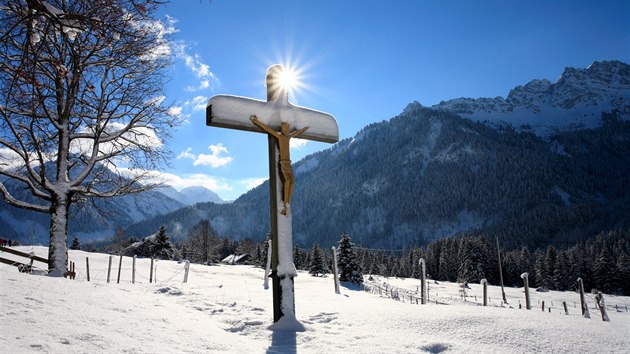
[(250, 183), (187, 155), (135, 138), (164, 47), (178, 182), (10, 160), (198, 103), (214, 159), (297, 144), (175, 111), (194, 62)]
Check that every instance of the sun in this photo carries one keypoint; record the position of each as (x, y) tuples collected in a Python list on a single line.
[(288, 79)]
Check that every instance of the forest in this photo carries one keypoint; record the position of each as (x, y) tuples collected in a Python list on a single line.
[(601, 261)]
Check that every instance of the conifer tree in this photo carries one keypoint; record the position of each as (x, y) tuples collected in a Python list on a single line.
[(76, 244), (605, 271), (349, 269), (265, 250), (542, 277), (524, 261), (316, 266), (162, 247), (550, 265), (561, 272), (623, 274)]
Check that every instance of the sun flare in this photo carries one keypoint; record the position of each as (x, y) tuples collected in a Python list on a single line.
[(289, 79)]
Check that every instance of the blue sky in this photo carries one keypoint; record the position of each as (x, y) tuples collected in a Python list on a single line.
[(363, 62)]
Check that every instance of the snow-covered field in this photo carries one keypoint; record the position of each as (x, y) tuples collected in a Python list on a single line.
[(226, 309)]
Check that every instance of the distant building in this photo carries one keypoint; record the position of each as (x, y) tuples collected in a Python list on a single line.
[(236, 259)]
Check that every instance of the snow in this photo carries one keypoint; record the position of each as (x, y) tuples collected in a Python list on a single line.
[(224, 309), (234, 112)]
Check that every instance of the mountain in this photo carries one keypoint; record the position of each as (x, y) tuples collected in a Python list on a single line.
[(89, 220), (576, 100), (435, 172), (192, 195)]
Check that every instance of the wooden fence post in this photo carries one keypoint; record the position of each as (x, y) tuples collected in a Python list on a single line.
[(335, 275), (543, 305), (484, 282), (119, 267), (74, 274), (566, 310), (186, 269), (599, 297), (585, 313), (151, 272), (423, 282), (525, 277), (133, 270), (109, 268), (87, 267)]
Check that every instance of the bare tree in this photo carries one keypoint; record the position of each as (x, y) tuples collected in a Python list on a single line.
[(81, 111), (204, 242)]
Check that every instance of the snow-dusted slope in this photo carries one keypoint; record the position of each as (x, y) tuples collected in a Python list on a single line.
[(575, 100), (225, 309)]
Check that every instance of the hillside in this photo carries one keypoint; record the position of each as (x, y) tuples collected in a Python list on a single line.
[(427, 174), (226, 309)]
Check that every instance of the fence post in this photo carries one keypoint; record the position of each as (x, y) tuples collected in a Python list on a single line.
[(525, 277), (566, 310), (186, 268), (87, 267), (151, 272), (74, 274), (423, 282), (119, 267), (543, 305), (109, 268), (484, 282), (335, 276), (602, 306), (585, 312), (268, 267), (155, 271), (133, 270)]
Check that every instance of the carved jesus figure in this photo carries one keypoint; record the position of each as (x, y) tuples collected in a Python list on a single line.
[(283, 137)]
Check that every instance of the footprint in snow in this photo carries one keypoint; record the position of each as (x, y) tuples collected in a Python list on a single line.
[(435, 348)]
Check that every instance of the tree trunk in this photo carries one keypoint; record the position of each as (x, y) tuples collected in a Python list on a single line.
[(58, 248)]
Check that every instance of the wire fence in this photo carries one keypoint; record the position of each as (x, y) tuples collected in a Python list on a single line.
[(473, 297)]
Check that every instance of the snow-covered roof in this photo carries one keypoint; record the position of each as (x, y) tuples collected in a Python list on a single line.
[(233, 258)]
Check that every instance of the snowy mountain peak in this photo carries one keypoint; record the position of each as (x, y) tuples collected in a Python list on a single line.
[(575, 100), (192, 195), (411, 107)]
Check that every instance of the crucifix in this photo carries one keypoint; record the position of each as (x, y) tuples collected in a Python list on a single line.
[(281, 121)]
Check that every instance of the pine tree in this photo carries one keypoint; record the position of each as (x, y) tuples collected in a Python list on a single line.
[(162, 247), (542, 277), (316, 265), (76, 244), (349, 269), (623, 274), (265, 250), (605, 272), (258, 255), (561, 272), (550, 267)]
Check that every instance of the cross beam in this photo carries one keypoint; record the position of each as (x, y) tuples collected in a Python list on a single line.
[(283, 119)]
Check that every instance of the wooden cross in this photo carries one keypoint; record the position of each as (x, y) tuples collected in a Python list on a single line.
[(281, 121)]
